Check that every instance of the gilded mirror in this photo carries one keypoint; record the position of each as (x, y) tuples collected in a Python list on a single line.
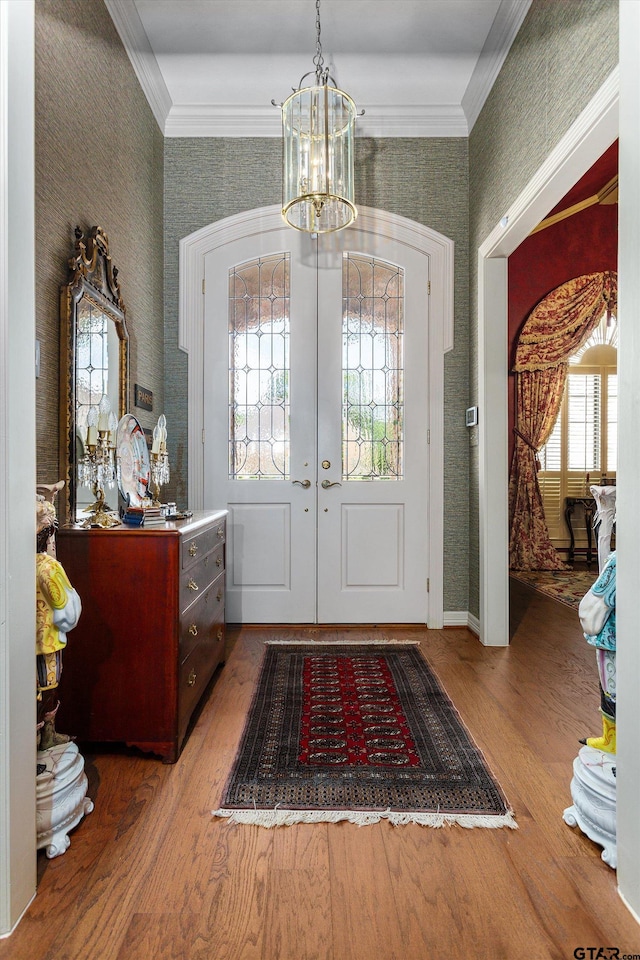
[(94, 370)]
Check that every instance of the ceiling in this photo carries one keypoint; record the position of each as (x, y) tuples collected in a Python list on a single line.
[(416, 67)]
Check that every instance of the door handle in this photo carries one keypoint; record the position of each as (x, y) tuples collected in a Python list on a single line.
[(303, 483), (329, 483)]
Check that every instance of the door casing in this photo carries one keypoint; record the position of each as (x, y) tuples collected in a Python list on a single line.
[(440, 249)]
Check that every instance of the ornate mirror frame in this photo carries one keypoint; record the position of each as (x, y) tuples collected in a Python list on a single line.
[(93, 281)]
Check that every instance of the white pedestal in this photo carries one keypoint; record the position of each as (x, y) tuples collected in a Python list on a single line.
[(61, 800), (593, 791)]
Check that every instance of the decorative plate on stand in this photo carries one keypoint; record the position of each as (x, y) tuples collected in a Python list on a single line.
[(134, 470)]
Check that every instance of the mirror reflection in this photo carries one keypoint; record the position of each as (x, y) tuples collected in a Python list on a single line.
[(96, 372), (97, 387)]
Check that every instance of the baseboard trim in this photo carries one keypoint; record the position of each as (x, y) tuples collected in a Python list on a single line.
[(462, 618)]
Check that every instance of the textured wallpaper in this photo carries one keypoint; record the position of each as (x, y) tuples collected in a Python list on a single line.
[(423, 179), (563, 53), (99, 161)]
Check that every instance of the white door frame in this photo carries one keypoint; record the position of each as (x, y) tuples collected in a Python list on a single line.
[(586, 140), (439, 248), (17, 464)]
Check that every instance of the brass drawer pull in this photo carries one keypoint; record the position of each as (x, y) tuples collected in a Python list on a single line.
[(218, 561), (220, 533), (220, 634), (193, 630), (191, 679), (193, 585), (219, 596), (193, 549)]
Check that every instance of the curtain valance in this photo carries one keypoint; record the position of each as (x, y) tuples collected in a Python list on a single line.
[(561, 323)]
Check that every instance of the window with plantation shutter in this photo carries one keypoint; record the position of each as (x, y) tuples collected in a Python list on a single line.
[(583, 402), (582, 448), (612, 422)]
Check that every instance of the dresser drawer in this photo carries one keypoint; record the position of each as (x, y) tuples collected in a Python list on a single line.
[(200, 544), (195, 580), (194, 675), (203, 619)]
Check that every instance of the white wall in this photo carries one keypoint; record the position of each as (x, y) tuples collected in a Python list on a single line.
[(17, 463), (628, 517)]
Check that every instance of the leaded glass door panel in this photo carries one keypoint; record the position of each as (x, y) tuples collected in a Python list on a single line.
[(372, 430), (260, 421)]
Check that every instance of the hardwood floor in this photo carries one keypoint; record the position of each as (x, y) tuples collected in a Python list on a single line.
[(150, 875)]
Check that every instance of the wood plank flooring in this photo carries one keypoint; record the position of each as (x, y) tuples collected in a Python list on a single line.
[(150, 875)]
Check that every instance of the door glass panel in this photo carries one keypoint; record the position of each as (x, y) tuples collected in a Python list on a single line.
[(372, 369), (259, 369)]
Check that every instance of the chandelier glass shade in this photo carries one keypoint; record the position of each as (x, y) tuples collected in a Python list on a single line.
[(318, 127), (318, 130)]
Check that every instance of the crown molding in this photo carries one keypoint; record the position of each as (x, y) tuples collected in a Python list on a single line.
[(379, 120), (504, 28), (227, 120), (136, 43), (413, 120)]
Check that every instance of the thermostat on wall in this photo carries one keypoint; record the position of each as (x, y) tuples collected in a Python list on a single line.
[(471, 416)]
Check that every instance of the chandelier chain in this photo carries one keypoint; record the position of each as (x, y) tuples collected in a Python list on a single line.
[(318, 59)]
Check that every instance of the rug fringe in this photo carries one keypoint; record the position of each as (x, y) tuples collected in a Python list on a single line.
[(343, 643), (287, 818)]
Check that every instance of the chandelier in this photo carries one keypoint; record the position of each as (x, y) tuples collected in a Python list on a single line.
[(318, 128)]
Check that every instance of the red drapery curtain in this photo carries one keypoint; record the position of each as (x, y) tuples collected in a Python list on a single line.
[(553, 332)]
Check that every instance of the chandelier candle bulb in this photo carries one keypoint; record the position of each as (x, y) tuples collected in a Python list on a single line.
[(92, 425), (113, 426), (105, 410), (159, 458), (160, 435)]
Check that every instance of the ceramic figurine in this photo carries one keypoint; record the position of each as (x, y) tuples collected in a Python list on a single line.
[(58, 609), (598, 620), (61, 783), (593, 786)]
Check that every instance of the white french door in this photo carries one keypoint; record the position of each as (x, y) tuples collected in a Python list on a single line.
[(316, 421)]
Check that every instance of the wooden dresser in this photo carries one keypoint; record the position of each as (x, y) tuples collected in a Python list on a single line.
[(151, 633)]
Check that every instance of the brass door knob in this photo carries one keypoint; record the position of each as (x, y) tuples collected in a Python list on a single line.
[(330, 483), (303, 483)]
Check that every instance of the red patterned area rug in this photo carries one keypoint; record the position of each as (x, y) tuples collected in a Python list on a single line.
[(358, 732), (567, 586)]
